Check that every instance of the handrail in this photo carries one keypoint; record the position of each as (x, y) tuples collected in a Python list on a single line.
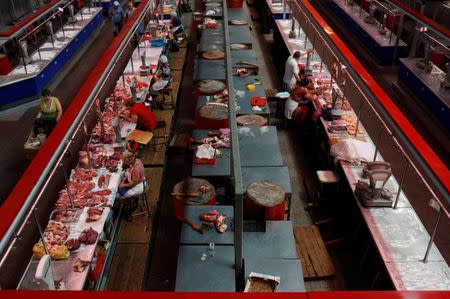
[(435, 27), (46, 20), (427, 158), (235, 154), (23, 194), (44, 11)]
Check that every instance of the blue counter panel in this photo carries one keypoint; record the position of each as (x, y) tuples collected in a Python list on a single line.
[(31, 87), (383, 54), (423, 93)]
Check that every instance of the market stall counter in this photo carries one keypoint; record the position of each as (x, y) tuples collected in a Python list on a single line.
[(244, 96), (238, 56), (277, 242), (258, 148), (213, 12), (205, 45), (289, 272), (382, 46), (278, 9), (238, 35), (202, 269), (237, 14), (209, 70), (26, 81), (277, 175), (427, 88), (192, 237)]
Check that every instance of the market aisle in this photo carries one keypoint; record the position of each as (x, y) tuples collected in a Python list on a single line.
[(163, 250), (16, 123)]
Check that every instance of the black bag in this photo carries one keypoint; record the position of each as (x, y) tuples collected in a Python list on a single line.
[(326, 114), (174, 46)]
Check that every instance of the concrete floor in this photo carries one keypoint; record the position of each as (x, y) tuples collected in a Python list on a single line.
[(16, 123)]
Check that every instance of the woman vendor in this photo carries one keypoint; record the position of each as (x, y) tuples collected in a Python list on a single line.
[(298, 105), (162, 77), (133, 182), (50, 112)]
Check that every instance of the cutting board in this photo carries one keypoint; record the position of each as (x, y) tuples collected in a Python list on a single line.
[(141, 137)]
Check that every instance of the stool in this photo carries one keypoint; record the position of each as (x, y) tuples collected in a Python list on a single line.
[(142, 203), (167, 91), (327, 177), (160, 125)]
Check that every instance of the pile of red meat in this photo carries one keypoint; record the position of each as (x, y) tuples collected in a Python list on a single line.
[(108, 116), (56, 233), (94, 214), (80, 188)]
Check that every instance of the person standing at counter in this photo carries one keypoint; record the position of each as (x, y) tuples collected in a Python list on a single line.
[(129, 10), (177, 27), (133, 183), (142, 116), (117, 17), (50, 112), (291, 70)]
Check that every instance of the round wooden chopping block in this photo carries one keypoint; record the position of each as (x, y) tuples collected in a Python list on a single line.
[(213, 55), (210, 87), (238, 47), (238, 22), (265, 193), (192, 185), (213, 4), (214, 111), (251, 120)]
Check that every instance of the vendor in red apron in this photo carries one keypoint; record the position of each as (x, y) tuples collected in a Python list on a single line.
[(298, 105), (133, 182), (141, 115)]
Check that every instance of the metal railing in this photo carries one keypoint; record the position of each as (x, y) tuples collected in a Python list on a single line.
[(235, 160)]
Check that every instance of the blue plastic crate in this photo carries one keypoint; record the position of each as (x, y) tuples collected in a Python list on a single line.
[(157, 42)]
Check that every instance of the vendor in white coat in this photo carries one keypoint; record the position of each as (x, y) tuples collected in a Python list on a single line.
[(291, 70)]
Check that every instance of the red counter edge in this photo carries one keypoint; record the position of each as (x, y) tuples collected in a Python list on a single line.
[(172, 295)]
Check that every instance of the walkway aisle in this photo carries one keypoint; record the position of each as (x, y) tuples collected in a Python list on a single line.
[(136, 237), (16, 123)]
